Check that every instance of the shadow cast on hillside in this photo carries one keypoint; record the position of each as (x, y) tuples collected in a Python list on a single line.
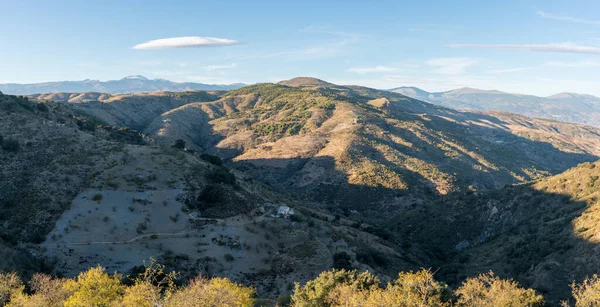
[(489, 157), (519, 232), (486, 158)]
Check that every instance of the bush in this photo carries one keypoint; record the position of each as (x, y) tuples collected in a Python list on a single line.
[(42, 107), (179, 144), (212, 194), (10, 283), (228, 257), (94, 288), (212, 159), (212, 292), (341, 260), (97, 197), (316, 292), (586, 294), (409, 290), (11, 145), (371, 256), (487, 290), (221, 175)]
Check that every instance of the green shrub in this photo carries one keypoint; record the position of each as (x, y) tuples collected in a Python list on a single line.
[(341, 260), (179, 144), (221, 175), (42, 107), (212, 159), (228, 257), (212, 194), (371, 257), (97, 197), (11, 145)]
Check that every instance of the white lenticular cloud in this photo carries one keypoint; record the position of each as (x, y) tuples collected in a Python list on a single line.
[(564, 47), (186, 42)]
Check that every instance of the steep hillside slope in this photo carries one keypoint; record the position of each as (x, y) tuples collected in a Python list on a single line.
[(75, 194), (130, 84), (132, 111), (566, 107), (544, 233), (356, 146), (71, 97)]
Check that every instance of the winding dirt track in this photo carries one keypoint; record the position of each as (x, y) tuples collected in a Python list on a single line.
[(148, 235)]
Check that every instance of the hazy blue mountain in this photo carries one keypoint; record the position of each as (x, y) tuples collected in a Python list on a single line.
[(568, 107), (130, 84)]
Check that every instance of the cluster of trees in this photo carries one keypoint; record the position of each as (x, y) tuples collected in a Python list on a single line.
[(95, 287), (335, 288), (410, 289)]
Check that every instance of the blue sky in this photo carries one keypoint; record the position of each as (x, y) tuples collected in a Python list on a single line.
[(533, 47)]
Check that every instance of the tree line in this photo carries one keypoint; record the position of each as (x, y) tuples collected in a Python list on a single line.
[(154, 287)]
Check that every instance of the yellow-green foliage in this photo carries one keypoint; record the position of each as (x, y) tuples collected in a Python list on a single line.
[(586, 294), (335, 288), (150, 287), (411, 289), (95, 287), (487, 290), (48, 291), (372, 174), (10, 284), (141, 294), (215, 292), (317, 292), (339, 288)]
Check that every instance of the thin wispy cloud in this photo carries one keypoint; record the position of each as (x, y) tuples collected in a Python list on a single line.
[(370, 70), (309, 53), (451, 66), (150, 63), (186, 42), (568, 18), (574, 64), (507, 70), (562, 47), (219, 67), (212, 79), (325, 30)]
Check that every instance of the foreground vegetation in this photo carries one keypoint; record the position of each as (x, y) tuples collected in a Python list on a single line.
[(335, 288)]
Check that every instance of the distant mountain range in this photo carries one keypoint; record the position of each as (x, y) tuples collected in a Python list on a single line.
[(567, 107), (130, 84)]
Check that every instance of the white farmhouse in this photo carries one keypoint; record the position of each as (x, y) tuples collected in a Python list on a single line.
[(284, 211)]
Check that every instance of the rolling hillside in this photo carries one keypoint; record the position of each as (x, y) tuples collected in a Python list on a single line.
[(75, 192), (393, 182), (365, 149)]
